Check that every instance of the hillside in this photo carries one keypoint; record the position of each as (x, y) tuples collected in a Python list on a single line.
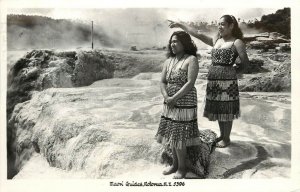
[(279, 22), (38, 32)]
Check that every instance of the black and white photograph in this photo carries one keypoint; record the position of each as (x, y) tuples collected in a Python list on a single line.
[(190, 96)]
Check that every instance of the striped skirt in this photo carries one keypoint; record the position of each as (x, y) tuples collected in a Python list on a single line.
[(222, 94), (178, 125), (178, 128)]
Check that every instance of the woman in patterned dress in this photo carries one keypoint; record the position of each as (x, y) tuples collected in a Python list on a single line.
[(222, 94), (188, 147)]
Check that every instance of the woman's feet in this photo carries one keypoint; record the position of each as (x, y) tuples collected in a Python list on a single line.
[(180, 174), (169, 170), (223, 144)]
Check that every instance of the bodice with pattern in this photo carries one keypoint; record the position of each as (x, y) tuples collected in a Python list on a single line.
[(223, 56), (178, 77)]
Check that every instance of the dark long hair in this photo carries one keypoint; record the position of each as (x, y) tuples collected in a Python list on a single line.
[(236, 31), (187, 42)]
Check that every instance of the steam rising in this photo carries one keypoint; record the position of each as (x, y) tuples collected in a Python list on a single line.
[(143, 27)]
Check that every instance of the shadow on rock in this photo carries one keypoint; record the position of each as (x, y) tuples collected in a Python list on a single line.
[(237, 158)]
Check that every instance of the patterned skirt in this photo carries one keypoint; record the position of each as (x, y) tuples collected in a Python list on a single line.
[(178, 128), (222, 94)]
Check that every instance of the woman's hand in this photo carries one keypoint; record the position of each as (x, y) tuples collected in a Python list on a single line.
[(171, 102), (174, 24), (239, 71)]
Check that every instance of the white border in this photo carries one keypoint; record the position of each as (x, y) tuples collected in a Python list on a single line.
[(274, 185)]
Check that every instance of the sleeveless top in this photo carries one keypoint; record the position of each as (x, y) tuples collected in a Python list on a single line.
[(224, 56), (174, 76)]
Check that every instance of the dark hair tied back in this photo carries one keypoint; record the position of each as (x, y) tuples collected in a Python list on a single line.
[(236, 31)]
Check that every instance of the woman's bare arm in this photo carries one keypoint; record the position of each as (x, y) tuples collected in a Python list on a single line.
[(192, 31), (241, 50), (163, 80)]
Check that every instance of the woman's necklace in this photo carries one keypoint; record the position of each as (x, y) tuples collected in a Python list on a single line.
[(175, 64)]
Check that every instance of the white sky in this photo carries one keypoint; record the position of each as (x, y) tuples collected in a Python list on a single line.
[(185, 14)]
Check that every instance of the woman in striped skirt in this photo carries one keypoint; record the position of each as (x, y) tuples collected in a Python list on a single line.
[(222, 94), (178, 128)]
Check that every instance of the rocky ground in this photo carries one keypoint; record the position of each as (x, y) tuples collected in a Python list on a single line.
[(106, 130), (53, 118)]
